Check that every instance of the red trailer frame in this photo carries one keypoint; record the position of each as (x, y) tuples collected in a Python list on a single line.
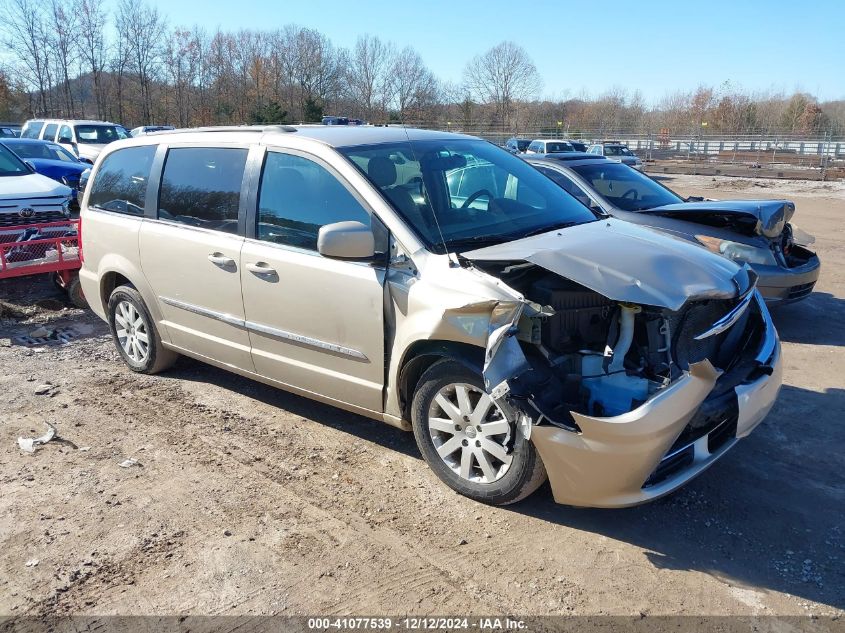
[(60, 254)]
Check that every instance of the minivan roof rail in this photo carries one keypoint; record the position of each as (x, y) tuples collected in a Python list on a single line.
[(230, 128)]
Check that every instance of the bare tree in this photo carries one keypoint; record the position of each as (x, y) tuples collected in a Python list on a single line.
[(26, 37), (182, 63), (318, 73), (412, 84), (143, 28), (62, 36), (368, 77), (503, 76), (119, 63), (90, 40)]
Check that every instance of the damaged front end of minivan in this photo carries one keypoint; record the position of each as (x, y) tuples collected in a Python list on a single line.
[(629, 376)]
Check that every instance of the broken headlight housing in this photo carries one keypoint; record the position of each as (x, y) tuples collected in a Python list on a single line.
[(737, 251)]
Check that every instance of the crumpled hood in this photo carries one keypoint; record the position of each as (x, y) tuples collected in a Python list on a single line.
[(627, 262), (771, 215), (30, 186)]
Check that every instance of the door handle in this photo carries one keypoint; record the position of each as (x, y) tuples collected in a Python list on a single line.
[(260, 268), (219, 259)]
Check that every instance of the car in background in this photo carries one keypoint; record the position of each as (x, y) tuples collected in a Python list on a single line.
[(617, 151), (549, 146), (8, 130), (27, 197), (753, 232), (568, 156), (517, 145), (579, 146), (148, 129), (48, 159), (84, 139)]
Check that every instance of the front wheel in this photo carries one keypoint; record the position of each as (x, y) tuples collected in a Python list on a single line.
[(134, 333), (466, 440)]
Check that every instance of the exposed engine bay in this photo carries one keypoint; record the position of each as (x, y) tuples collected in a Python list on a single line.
[(586, 353)]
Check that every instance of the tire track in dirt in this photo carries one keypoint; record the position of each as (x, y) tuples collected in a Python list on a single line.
[(415, 571)]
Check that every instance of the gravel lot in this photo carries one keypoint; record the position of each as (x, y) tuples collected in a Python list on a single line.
[(248, 500)]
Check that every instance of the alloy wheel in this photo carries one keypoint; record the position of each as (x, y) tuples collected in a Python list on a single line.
[(470, 433), (132, 332)]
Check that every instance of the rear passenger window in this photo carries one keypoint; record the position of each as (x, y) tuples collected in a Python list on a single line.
[(50, 131), (120, 184), (297, 197), (201, 186), (32, 129)]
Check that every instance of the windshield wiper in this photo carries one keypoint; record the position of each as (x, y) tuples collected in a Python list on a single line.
[(477, 241), (545, 229)]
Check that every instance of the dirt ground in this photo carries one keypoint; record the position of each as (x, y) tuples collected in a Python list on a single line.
[(249, 500)]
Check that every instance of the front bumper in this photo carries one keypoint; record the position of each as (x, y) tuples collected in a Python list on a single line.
[(780, 285), (611, 463)]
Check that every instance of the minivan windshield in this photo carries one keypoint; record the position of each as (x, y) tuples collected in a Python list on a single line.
[(11, 165), (617, 150), (625, 188), (460, 194), (99, 134)]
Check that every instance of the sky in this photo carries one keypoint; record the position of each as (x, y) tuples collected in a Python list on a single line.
[(588, 46)]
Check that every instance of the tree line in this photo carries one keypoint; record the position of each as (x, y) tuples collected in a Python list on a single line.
[(78, 58)]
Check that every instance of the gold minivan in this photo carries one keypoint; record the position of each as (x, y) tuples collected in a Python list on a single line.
[(438, 283)]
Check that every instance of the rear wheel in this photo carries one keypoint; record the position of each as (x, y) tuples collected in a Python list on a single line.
[(466, 440), (74, 293), (134, 333)]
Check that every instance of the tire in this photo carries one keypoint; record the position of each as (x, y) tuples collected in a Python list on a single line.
[(57, 281), (74, 293), (145, 357), (507, 477)]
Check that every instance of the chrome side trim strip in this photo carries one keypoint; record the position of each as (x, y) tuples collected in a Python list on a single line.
[(730, 318), (266, 329), (213, 314), (305, 340)]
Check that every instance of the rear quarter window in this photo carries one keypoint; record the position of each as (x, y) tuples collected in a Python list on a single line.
[(120, 184), (201, 186)]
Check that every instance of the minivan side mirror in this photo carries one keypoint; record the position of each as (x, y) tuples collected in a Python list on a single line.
[(346, 240)]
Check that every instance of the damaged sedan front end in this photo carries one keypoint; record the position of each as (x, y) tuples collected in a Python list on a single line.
[(753, 232)]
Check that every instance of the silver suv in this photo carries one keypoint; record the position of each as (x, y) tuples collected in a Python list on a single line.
[(438, 283)]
